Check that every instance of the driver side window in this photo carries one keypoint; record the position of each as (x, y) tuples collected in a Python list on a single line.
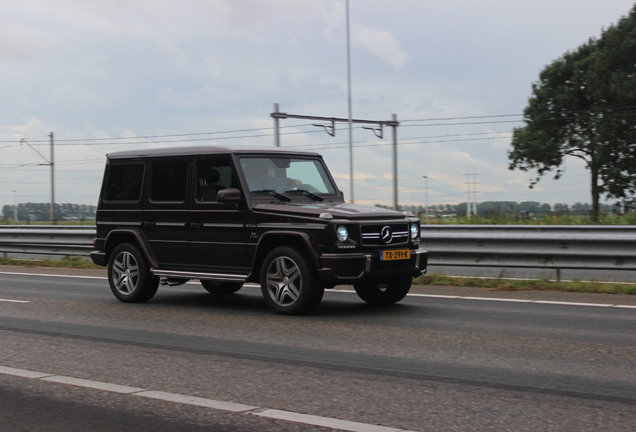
[(213, 175)]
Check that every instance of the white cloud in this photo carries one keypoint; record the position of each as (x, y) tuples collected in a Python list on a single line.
[(382, 43), (20, 43)]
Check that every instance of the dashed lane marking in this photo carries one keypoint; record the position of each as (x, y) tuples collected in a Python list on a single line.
[(288, 416), (14, 301)]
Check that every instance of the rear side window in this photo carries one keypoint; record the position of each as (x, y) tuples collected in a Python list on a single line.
[(124, 182), (169, 180)]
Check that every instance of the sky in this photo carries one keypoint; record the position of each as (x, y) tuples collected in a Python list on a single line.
[(125, 74)]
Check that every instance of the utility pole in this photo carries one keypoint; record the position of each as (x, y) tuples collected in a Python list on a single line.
[(15, 206), (469, 206), (349, 105), (395, 162), (426, 196), (276, 127), (331, 130), (52, 162), (475, 192)]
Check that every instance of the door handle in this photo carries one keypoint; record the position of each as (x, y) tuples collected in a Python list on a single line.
[(196, 224), (150, 224)]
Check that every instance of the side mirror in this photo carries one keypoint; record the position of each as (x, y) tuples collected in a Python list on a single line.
[(229, 195)]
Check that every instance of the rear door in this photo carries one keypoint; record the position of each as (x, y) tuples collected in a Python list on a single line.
[(166, 213), (217, 230)]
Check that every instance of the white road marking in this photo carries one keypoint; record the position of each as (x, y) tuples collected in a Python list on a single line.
[(54, 275), (495, 299), (78, 382), (198, 401), (324, 421), (14, 301), (203, 402), (251, 285), (22, 373)]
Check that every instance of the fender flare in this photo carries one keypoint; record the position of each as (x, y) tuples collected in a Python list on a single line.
[(139, 238), (308, 242)]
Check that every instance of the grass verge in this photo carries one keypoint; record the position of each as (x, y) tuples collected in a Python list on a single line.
[(531, 285), (67, 262)]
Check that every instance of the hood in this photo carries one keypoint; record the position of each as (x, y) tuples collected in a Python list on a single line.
[(338, 211)]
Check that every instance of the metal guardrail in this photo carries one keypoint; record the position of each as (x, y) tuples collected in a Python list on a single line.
[(550, 247), (35, 241)]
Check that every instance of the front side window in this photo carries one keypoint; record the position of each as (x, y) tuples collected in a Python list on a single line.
[(124, 182), (169, 180), (212, 175), (283, 174)]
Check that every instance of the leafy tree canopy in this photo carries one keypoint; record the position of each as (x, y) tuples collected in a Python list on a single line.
[(584, 105)]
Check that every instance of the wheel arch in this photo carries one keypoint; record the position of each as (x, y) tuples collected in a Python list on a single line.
[(135, 237), (269, 241)]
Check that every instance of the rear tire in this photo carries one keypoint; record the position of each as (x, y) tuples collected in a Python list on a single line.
[(129, 276), (288, 283), (388, 290), (221, 288)]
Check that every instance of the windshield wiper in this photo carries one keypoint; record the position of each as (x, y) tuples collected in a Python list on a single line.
[(280, 196), (305, 192)]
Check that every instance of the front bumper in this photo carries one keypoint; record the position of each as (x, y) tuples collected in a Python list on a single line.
[(349, 267)]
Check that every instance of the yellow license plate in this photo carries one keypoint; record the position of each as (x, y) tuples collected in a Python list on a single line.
[(391, 255)]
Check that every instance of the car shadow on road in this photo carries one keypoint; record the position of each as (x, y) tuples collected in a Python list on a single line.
[(249, 300)]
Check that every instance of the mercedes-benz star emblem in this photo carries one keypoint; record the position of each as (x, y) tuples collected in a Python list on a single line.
[(386, 234)]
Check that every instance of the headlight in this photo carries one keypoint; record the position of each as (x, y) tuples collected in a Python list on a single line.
[(342, 233), (414, 231)]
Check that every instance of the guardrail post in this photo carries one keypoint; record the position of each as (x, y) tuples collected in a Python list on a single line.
[(558, 274)]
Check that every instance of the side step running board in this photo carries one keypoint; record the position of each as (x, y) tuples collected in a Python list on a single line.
[(226, 277)]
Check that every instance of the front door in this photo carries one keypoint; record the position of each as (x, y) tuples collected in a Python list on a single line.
[(217, 230)]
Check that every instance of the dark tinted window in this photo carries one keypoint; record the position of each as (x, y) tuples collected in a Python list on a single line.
[(213, 175), (124, 182), (169, 180)]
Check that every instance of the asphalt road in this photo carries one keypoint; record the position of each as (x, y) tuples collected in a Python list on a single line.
[(426, 364)]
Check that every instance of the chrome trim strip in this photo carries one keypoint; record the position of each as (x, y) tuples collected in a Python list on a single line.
[(120, 223), (384, 222), (213, 242), (199, 275), (367, 266), (222, 225), (179, 224), (292, 226)]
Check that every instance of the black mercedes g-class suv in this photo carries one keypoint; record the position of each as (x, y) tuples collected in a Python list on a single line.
[(226, 216)]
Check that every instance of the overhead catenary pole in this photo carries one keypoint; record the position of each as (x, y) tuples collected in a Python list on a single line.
[(331, 130), (469, 206), (349, 105), (276, 127), (15, 206), (52, 161), (475, 191), (426, 196), (395, 162)]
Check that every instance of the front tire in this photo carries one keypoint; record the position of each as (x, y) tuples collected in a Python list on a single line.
[(221, 288), (288, 284), (129, 277), (385, 291)]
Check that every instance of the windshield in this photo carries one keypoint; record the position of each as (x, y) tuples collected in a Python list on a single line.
[(285, 174)]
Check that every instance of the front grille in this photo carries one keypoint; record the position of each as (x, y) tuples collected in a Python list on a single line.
[(377, 234)]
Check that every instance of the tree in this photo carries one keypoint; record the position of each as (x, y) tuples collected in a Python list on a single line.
[(584, 105)]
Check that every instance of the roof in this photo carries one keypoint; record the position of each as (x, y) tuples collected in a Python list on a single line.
[(204, 150)]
